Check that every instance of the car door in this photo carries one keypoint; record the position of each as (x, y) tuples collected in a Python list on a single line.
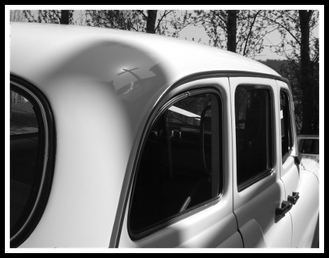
[(301, 185), (181, 195), (259, 199)]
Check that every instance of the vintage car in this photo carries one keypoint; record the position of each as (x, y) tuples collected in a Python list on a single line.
[(122, 139)]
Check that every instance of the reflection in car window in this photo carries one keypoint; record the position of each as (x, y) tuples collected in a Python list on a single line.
[(26, 156), (179, 168), (254, 136), (22, 116)]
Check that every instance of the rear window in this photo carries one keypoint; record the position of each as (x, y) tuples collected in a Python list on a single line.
[(30, 151)]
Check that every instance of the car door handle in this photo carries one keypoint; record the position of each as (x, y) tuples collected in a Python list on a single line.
[(294, 198), (281, 212)]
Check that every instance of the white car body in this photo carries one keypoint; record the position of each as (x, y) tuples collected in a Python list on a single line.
[(309, 150), (104, 88)]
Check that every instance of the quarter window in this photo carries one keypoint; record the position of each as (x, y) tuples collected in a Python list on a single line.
[(286, 133), (254, 135), (180, 165)]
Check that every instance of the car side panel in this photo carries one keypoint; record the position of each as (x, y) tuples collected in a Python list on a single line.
[(211, 228), (303, 179), (306, 211), (256, 216), (86, 184), (255, 207), (214, 225)]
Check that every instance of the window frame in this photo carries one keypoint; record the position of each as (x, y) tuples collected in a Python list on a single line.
[(272, 160), (46, 168), (290, 123), (221, 144)]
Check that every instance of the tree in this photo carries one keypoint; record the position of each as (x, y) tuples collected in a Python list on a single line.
[(231, 30), (50, 16), (117, 19), (301, 48), (65, 17), (240, 31), (150, 21), (17, 16), (306, 70)]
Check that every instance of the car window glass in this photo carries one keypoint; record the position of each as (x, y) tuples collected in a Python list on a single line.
[(26, 156), (254, 136), (179, 168), (22, 116), (309, 146), (286, 130)]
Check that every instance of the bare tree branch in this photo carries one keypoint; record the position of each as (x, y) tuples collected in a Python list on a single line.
[(279, 24), (249, 33)]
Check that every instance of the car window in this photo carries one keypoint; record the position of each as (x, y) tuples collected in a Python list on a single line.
[(180, 165), (28, 152), (286, 130), (309, 146), (254, 134)]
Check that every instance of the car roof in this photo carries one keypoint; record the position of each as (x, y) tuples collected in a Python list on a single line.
[(36, 44)]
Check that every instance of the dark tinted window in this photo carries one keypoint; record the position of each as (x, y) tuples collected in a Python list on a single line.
[(309, 146), (286, 130), (27, 156), (180, 165), (254, 136)]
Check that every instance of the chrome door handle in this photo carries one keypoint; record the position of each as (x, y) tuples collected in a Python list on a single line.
[(294, 198), (281, 212)]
